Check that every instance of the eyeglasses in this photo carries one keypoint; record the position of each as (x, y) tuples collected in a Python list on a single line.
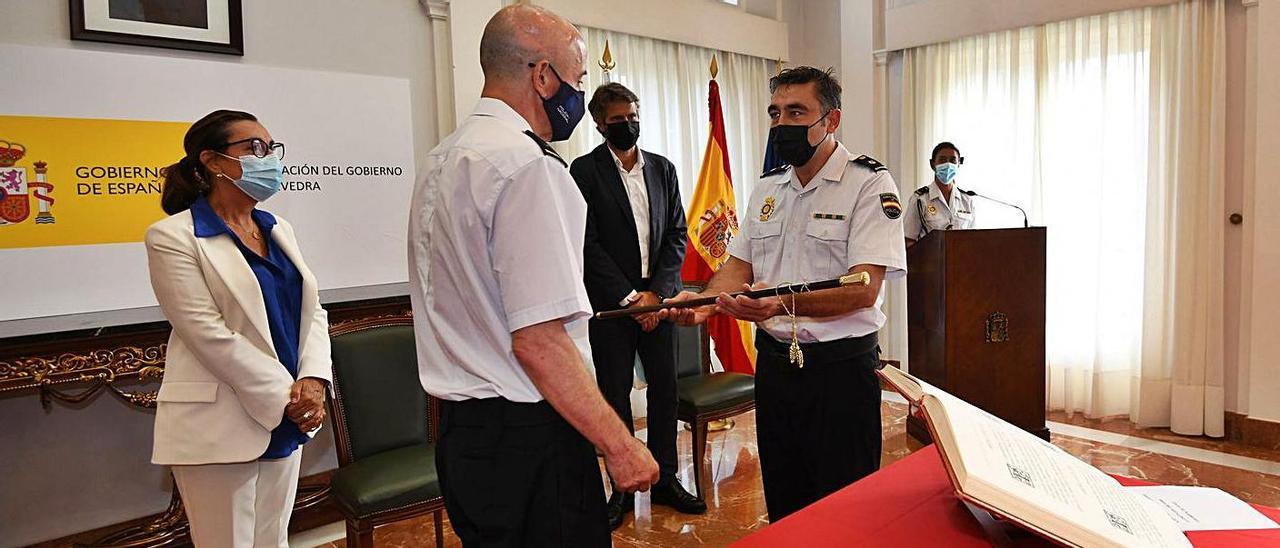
[(259, 147)]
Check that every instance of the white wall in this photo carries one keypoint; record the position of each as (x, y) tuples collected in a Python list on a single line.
[(857, 74), (1261, 252), (839, 34), (332, 36), (1242, 367), (71, 470), (705, 23), (815, 36), (467, 19), (1238, 160), (910, 23)]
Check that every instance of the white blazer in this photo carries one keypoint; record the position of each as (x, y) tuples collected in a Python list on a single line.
[(224, 388)]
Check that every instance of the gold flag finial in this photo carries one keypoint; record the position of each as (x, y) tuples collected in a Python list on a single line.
[(715, 67), (606, 60), (780, 63)]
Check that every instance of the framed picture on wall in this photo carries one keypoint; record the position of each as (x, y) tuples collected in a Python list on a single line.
[(199, 25)]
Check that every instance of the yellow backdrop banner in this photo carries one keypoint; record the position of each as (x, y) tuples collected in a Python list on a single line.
[(78, 181)]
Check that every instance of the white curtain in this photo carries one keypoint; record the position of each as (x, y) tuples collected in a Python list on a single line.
[(1109, 129), (1182, 363), (671, 81)]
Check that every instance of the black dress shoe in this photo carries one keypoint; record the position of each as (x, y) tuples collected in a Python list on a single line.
[(669, 492), (619, 505)]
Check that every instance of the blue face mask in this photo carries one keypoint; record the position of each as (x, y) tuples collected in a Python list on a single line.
[(260, 178), (946, 172), (564, 109)]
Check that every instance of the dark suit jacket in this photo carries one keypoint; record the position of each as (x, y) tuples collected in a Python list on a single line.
[(612, 250)]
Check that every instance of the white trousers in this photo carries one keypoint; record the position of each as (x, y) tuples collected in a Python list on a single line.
[(242, 505)]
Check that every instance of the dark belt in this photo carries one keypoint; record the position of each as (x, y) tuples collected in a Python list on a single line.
[(487, 411), (826, 351)]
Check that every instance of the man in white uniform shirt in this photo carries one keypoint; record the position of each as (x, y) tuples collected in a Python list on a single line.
[(941, 205), (826, 214), (496, 231)]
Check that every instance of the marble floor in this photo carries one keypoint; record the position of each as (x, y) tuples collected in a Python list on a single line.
[(736, 504)]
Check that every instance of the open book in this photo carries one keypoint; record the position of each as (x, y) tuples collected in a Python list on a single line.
[(1031, 482)]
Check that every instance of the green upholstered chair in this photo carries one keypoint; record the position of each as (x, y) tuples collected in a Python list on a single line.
[(385, 427), (703, 396)]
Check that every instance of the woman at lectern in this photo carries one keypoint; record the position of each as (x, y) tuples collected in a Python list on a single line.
[(248, 364), (940, 205)]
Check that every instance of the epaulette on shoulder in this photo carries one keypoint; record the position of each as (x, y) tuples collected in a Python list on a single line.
[(870, 163), (775, 171), (922, 191), (546, 147)]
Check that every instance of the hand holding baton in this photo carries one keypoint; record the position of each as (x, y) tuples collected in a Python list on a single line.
[(856, 278)]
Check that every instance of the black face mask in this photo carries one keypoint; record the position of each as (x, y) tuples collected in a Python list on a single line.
[(792, 142), (622, 135)]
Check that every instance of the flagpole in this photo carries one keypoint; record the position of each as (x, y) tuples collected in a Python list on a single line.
[(606, 63), (721, 424)]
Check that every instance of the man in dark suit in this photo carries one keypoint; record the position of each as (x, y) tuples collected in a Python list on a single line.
[(634, 249)]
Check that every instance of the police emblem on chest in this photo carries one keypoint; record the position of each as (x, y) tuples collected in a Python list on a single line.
[(766, 210), (889, 203)]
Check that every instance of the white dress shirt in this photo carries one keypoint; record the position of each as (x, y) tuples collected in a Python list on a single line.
[(496, 230), (844, 217), (638, 197)]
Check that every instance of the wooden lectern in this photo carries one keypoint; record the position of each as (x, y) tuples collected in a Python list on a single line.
[(975, 316)]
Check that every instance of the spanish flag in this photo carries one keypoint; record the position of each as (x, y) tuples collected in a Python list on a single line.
[(713, 221)]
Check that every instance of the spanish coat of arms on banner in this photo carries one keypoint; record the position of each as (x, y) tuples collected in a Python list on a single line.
[(17, 190)]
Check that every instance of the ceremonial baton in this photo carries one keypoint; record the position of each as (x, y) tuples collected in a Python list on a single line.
[(857, 278)]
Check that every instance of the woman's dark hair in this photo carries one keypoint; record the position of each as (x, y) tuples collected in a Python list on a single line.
[(941, 147), (187, 180)]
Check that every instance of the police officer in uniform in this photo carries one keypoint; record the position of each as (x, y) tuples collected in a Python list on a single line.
[(941, 205), (827, 214), (500, 313)]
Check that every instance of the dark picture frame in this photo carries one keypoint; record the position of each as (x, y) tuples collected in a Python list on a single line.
[(234, 46)]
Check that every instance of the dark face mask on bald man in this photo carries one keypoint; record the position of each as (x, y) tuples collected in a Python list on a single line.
[(564, 109)]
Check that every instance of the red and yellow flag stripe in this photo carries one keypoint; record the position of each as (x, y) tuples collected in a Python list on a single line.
[(713, 221)]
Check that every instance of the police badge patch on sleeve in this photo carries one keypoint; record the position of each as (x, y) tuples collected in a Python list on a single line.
[(889, 203)]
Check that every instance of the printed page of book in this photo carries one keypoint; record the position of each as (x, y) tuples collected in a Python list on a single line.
[(1038, 475), (1204, 508)]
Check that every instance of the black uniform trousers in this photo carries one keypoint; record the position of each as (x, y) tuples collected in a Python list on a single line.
[(614, 344), (517, 474), (817, 427)]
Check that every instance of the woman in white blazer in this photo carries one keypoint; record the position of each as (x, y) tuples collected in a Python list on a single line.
[(248, 363)]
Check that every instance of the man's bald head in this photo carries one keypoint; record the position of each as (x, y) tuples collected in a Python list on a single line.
[(522, 34)]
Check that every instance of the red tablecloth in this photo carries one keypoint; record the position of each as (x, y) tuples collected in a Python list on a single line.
[(911, 503)]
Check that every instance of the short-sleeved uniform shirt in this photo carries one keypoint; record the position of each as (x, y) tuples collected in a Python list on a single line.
[(496, 229), (928, 211), (849, 214)]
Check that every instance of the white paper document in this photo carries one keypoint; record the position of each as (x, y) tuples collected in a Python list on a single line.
[(1204, 508)]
